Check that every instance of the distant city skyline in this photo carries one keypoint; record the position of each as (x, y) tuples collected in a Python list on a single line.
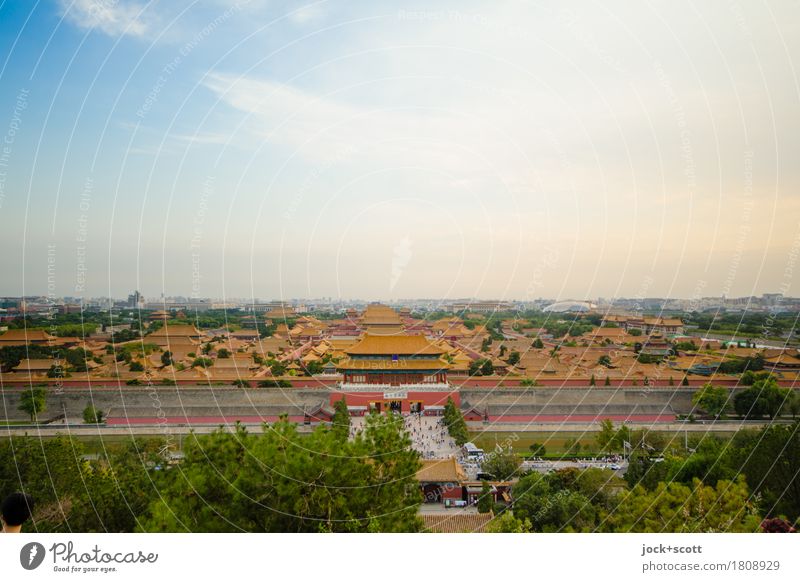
[(178, 298), (490, 150)]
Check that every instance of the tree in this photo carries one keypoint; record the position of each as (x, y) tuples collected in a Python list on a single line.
[(485, 500), (166, 358), (278, 369), (56, 371), (223, 353), (686, 346), (572, 445), (77, 495), (503, 350), (202, 362), (455, 423), (341, 419), (793, 404), (475, 367), (607, 382), (487, 368), (604, 361), (635, 332), (274, 384), (77, 359), (513, 358), (501, 465), (610, 438), (679, 508), (537, 344), (92, 415), (538, 450), (769, 459), (747, 378), (507, 523), (314, 368), (712, 400), (136, 367), (33, 401), (284, 481), (550, 507), (763, 398), (644, 470), (592, 381)]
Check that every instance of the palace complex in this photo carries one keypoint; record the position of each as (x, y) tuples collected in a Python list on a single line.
[(386, 359)]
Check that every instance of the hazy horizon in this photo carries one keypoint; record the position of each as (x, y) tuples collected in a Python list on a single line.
[(384, 300), (506, 151)]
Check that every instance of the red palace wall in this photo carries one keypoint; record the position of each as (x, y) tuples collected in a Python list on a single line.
[(452, 491), (426, 398)]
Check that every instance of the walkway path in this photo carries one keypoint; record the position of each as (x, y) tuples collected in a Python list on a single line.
[(428, 435)]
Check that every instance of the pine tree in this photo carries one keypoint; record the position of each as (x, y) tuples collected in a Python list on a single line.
[(485, 500), (341, 419)]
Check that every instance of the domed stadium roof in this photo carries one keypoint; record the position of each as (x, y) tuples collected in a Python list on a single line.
[(569, 307)]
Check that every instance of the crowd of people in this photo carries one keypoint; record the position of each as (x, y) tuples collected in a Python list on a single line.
[(428, 435)]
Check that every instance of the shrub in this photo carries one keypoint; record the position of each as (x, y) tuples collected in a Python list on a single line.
[(92, 415), (203, 362), (274, 384)]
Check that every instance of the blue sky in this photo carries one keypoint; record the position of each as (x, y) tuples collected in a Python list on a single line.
[(391, 150)]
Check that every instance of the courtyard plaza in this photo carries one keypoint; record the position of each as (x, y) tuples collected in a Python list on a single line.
[(428, 435)]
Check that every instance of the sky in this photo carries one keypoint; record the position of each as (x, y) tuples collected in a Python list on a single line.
[(389, 150)]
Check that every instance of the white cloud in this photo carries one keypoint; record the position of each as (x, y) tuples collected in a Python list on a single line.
[(463, 141), (111, 17), (306, 14)]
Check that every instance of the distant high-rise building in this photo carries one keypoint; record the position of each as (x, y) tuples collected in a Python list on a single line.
[(135, 300)]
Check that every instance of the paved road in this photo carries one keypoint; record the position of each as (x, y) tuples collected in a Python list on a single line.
[(618, 466)]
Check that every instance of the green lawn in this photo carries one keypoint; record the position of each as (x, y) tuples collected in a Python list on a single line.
[(554, 441)]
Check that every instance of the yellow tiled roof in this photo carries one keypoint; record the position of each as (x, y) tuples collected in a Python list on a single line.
[(394, 345), (458, 522), (174, 330), (401, 364), (36, 364), (25, 336), (441, 471)]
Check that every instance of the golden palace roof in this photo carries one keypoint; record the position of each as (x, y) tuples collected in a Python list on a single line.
[(176, 331), (394, 345), (387, 364), (441, 471), (380, 315), (25, 336)]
